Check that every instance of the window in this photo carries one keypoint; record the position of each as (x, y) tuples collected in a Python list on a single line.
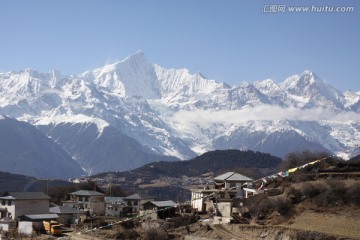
[(3, 202), (9, 202), (86, 199)]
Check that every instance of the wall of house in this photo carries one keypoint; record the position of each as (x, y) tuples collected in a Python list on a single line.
[(134, 204), (25, 227), (197, 201), (97, 204), (9, 205), (113, 209), (25, 207), (224, 209), (67, 219)]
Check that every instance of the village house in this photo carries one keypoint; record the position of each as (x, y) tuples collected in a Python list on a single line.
[(16, 205), (158, 209), (66, 215), (114, 206), (134, 203), (224, 197), (88, 201), (232, 180)]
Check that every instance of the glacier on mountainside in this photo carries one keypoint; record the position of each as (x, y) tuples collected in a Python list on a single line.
[(173, 112)]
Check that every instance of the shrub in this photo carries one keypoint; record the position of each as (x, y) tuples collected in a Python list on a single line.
[(155, 234), (332, 194), (311, 190), (283, 206), (294, 195), (259, 205), (353, 194), (126, 234)]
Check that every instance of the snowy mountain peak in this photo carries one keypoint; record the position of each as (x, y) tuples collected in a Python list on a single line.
[(176, 112), (274, 91), (139, 55), (300, 82), (309, 74), (133, 76), (308, 90)]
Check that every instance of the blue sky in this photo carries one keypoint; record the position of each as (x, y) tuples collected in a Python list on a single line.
[(227, 40)]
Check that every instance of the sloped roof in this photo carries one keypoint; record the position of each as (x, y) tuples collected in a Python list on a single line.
[(232, 176), (87, 193), (63, 210), (40, 216), (114, 199), (137, 196), (168, 203), (25, 195)]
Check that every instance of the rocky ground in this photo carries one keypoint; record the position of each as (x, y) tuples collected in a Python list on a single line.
[(306, 223)]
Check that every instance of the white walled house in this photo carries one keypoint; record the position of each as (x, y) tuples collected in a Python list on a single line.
[(16, 204), (232, 180), (200, 196), (230, 184)]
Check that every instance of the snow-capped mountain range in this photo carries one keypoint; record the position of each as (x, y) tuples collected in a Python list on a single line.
[(134, 111)]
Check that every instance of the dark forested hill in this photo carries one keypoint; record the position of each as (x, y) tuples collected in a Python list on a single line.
[(18, 183)]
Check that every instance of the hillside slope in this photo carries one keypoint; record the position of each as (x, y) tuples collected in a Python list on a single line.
[(25, 150)]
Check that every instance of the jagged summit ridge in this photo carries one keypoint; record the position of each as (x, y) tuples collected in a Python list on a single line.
[(134, 76), (173, 112)]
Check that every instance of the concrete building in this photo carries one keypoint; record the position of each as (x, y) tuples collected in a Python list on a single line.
[(232, 180), (114, 206), (88, 201), (200, 196), (224, 198), (67, 215), (134, 203), (158, 209), (16, 204)]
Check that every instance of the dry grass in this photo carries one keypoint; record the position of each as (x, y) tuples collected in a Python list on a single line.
[(345, 223)]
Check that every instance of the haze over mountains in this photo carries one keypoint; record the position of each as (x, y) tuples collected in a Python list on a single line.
[(133, 112)]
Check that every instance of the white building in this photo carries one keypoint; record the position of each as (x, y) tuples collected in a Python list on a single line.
[(230, 183), (231, 180), (16, 204)]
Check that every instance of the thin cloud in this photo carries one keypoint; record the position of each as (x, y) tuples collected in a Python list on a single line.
[(265, 113)]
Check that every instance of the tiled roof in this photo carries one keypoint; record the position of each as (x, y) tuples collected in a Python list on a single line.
[(168, 203), (87, 193), (41, 216), (25, 195), (137, 196), (63, 210), (114, 199), (232, 176)]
